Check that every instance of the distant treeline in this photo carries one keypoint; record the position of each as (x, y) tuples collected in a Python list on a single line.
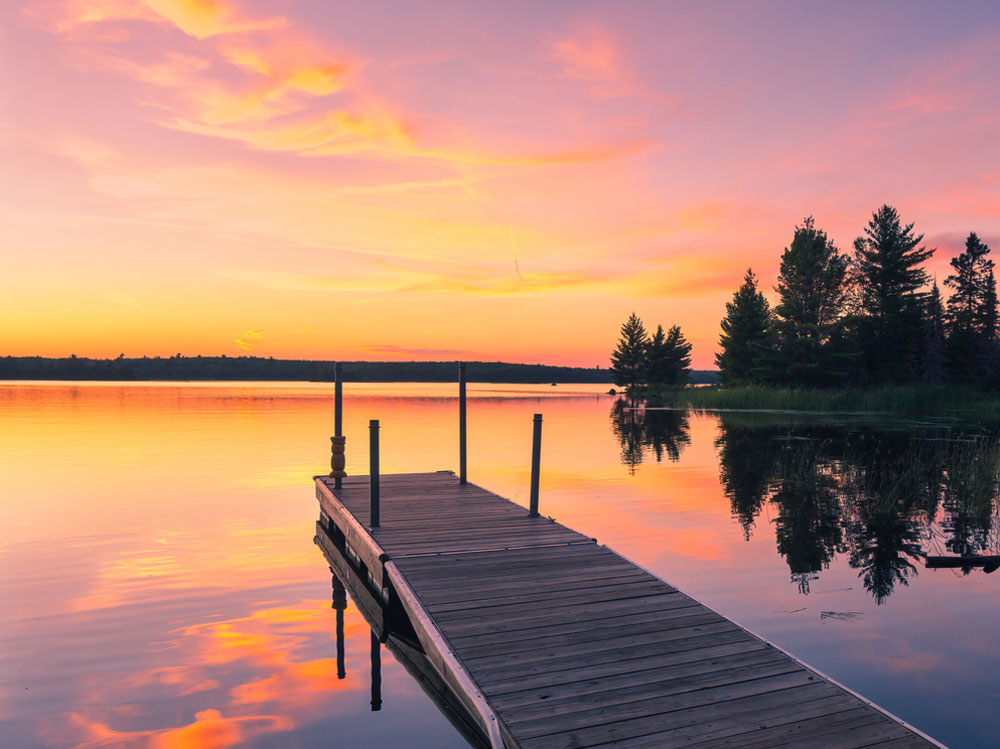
[(260, 368)]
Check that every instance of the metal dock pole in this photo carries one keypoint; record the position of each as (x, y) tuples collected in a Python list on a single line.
[(373, 510), (462, 474), (536, 460), (338, 423)]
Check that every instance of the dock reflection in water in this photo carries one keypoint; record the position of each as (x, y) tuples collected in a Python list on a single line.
[(390, 626)]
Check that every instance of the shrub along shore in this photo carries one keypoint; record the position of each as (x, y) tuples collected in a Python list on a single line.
[(909, 399)]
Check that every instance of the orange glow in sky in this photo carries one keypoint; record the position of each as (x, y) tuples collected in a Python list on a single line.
[(434, 180)]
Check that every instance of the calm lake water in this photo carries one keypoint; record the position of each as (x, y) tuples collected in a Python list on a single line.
[(160, 584)]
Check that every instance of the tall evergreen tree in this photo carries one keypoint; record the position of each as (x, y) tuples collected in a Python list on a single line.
[(658, 366), (988, 310), (811, 289), (888, 276), (933, 367), (668, 358), (967, 285), (744, 332), (677, 353), (972, 311), (991, 343), (628, 361)]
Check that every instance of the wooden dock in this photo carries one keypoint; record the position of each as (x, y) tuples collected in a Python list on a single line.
[(549, 639)]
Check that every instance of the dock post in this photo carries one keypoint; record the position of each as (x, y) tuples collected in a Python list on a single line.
[(339, 603), (337, 459), (536, 460), (462, 476), (373, 496), (376, 673), (338, 399)]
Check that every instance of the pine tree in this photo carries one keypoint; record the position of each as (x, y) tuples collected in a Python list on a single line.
[(628, 361), (888, 280), (988, 310), (744, 332), (935, 345), (991, 354), (677, 353), (811, 289), (658, 365), (966, 283), (972, 311)]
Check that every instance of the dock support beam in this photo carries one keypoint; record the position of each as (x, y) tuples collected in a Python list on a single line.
[(462, 476), (374, 491), (339, 603), (536, 461)]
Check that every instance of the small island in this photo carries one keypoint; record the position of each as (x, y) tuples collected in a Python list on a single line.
[(862, 332)]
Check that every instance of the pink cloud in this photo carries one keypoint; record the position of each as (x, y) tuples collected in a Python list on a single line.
[(200, 19), (593, 56)]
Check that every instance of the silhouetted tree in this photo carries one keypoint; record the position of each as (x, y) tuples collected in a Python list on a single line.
[(669, 360), (991, 344), (663, 432), (666, 432), (989, 311), (807, 528), (888, 277), (744, 333), (811, 289), (935, 353), (658, 366), (972, 310), (871, 490), (627, 427), (884, 543), (743, 468), (628, 361)]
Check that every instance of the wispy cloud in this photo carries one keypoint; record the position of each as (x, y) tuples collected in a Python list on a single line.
[(390, 350), (595, 57), (245, 341), (200, 19), (951, 80), (271, 86), (125, 300), (678, 275)]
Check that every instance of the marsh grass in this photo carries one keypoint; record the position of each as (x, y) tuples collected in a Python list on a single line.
[(973, 473), (900, 399), (913, 476)]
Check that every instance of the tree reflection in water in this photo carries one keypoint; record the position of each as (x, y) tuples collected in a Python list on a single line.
[(659, 432), (884, 493)]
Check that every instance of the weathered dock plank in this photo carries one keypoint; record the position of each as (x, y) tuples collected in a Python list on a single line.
[(553, 640)]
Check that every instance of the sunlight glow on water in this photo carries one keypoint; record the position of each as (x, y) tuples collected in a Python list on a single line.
[(160, 583)]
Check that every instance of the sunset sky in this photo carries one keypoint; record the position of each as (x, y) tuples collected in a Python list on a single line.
[(434, 180)]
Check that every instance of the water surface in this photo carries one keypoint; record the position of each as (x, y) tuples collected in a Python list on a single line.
[(161, 585)]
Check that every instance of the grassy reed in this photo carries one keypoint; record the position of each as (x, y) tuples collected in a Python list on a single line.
[(900, 399)]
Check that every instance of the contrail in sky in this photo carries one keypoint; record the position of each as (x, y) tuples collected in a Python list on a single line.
[(513, 248)]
